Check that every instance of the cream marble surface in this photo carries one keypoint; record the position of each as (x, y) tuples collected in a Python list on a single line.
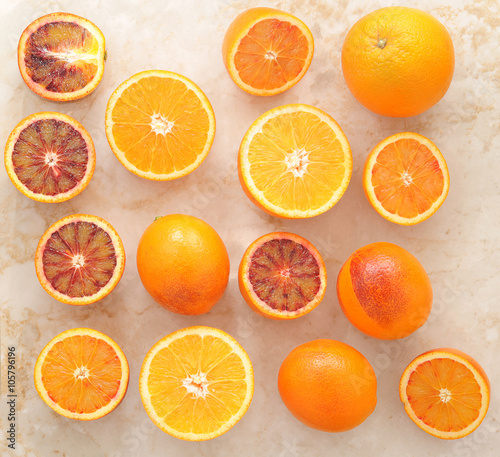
[(458, 246)]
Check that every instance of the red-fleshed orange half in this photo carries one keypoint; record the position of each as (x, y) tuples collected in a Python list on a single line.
[(61, 56), (80, 259)]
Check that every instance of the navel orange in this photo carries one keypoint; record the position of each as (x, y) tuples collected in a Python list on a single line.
[(445, 392), (183, 264), (398, 61), (50, 157), (384, 291), (328, 385), (266, 51), (196, 383)]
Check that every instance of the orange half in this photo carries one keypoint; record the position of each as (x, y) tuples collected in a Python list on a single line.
[(266, 51), (50, 157), (61, 56), (196, 383), (82, 374), (445, 392), (160, 125), (406, 178), (295, 162)]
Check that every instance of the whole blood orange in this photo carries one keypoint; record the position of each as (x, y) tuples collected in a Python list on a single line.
[(398, 61), (183, 264), (61, 56), (328, 385), (282, 276), (384, 291)]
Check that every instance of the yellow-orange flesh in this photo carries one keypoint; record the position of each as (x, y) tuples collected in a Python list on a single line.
[(61, 56), (82, 374), (271, 54), (444, 394), (50, 157), (284, 274), (407, 178), (196, 383), (79, 259)]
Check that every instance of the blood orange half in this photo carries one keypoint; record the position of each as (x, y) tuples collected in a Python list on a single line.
[(80, 259), (50, 157), (61, 56), (82, 374), (282, 276)]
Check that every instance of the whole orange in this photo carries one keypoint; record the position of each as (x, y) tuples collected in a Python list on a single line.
[(328, 385), (183, 264), (398, 61), (384, 291)]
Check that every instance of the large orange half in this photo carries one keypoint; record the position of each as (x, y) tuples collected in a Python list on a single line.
[(266, 51), (295, 161), (82, 374), (160, 125), (406, 178), (445, 392)]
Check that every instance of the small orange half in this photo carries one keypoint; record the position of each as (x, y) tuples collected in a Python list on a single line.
[(61, 56), (406, 178), (282, 276), (445, 392), (266, 51), (82, 374), (160, 125)]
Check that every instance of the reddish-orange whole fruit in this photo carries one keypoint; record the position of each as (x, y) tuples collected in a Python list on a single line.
[(183, 264), (328, 385), (384, 291)]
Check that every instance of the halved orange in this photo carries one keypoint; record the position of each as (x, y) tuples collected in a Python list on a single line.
[(406, 178), (61, 56), (79, 259), (160, 125), (295, 162), (266, 51), (82, 374), (196, 383), (50, 157), (445, 392), (282, 276)]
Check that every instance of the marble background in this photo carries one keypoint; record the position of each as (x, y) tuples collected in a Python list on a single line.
[(458, 246)]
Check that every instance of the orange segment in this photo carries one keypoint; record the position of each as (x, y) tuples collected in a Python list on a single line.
[(196, 383), (445, 392), (82, 374), (267, 51), (80, 259), (406, 178), (282, 276), (61, 56), (160, 125), (295, 161), (50, 157)]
